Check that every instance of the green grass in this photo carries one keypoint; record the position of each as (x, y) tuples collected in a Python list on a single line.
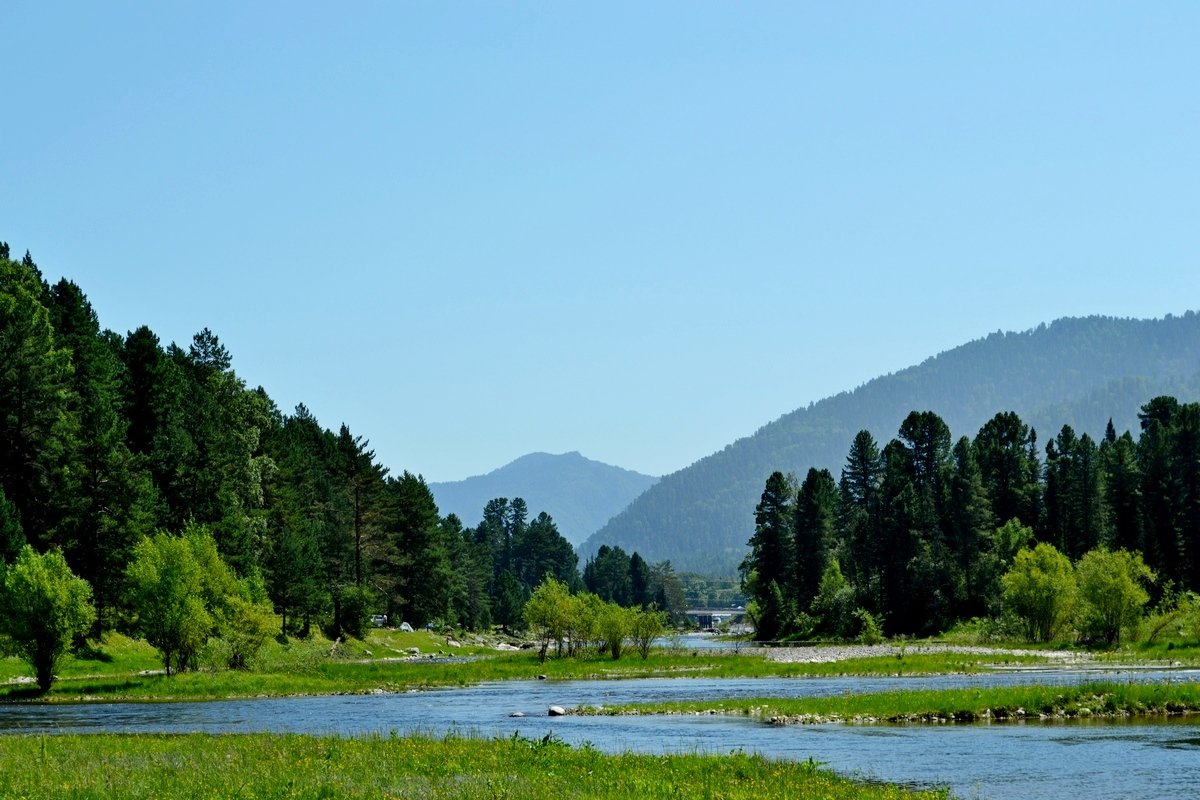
[(124, 669), (291, 766), (961, 705)]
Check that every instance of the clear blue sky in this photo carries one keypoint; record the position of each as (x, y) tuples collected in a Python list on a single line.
[(638, 230)]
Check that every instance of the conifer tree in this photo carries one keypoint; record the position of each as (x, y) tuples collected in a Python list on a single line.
[(1005, 449), (815, 532), (38, 419), (108, 504)]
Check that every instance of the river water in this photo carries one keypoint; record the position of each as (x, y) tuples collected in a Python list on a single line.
[(1002, 760)]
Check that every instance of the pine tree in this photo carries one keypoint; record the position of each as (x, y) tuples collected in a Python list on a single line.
[(860, 519), (1005, 449), (1122, 492), (38, 417), (969, 524), (109, 504), (418, 566), (607, 575), (815, 532), (1161, 489), (1186, 458), (362, 482), (768, 571)]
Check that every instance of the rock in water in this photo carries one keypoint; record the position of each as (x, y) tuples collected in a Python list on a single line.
[(557, 711)]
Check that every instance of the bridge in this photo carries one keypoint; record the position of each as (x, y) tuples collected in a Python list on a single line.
[(708, 618)]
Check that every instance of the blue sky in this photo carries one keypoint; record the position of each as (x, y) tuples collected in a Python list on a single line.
[(636, 230)]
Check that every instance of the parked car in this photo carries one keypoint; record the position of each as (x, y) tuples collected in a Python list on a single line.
[(404, 626), (379, 620)]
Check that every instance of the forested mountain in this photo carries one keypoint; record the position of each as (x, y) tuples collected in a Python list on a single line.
[(1079, 372), (579, 493)]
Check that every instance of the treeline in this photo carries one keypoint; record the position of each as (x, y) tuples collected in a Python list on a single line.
[(109, 441), (918, 534), (1080, 372)]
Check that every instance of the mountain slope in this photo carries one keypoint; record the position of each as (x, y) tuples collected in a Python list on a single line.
[(580, 494), (1076, 371)]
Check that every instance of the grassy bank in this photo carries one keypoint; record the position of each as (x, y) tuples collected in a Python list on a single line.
[(125, 669), (1093, 700), (260, 766)]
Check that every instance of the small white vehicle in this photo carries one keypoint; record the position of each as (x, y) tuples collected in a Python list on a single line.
[(379, 620)]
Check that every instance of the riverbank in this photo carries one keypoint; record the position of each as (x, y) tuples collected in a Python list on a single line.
[(1098, 700), (292, 766), (122, 669)]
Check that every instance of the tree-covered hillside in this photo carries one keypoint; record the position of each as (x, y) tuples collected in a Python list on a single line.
[(579, 493), (1079, 372), (168, 484)]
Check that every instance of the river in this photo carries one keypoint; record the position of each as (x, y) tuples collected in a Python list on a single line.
[(1002, 760)]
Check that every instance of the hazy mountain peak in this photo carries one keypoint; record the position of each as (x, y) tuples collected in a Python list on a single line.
[(579, 493)]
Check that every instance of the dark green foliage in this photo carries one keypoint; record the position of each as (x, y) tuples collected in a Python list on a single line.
[(472, 573), (355, 604), (815, 532), (969, 524), (769, 570), (666, 591), (1006, 451), (860, 517), (1186, 457), (412, 563), (640, 590), (541, 550), (107, 439), (919, 529), (608, 576), (12, 538), (294, 571), (1122, 491), (1161, 488), (511, 556), (37, 426), (508, 602), (772, 556), (361, 481), (1073, 518), (112, 501)]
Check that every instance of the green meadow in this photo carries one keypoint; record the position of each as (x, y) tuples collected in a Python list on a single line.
[(113, 767), (1100, 699)]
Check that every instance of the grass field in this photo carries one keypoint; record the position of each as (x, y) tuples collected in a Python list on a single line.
[(951, 705), (120, 668), (288, 766)]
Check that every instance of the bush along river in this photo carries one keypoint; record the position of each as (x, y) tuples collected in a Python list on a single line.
[(1031, 759)]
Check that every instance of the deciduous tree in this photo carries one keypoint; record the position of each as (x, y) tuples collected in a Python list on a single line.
[(43, 607), (1040, 590), (1112, 593)]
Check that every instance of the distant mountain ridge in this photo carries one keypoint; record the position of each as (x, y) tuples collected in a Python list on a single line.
[(1077, 371), (579, 493)]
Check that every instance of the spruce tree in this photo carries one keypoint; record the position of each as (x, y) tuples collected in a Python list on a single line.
[(814, 533)]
